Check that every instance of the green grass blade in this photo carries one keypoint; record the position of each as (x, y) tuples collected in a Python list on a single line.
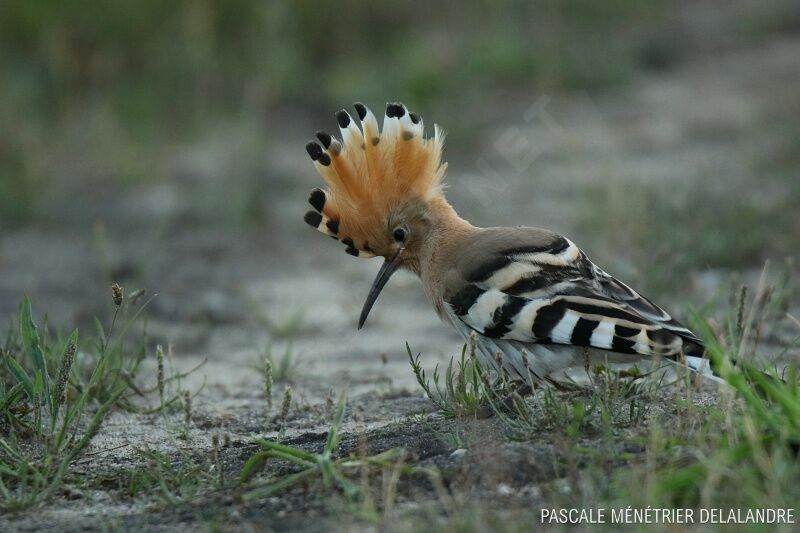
[(38, 387), (350, 489), (279, 486), (101, 332), (254, 462), (33, 344), (11, 397), (22, 376), (130, 321), (333, 433), (300, 454), (94, 424)]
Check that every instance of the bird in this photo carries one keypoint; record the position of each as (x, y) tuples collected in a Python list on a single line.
[(530, 300)]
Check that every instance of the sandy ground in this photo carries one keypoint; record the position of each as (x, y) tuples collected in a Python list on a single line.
[(218, 287)]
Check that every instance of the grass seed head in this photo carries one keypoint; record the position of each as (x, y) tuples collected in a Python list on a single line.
[(740, 313), (501, 369), (268, 381), (187, 407), (63, 374), (361, 431), (215, 448), (286, 404), (160, 362), (473, 344), (329, 404), (498, 358), (117, 293)]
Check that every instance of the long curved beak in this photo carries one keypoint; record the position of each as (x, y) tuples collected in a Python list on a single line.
[(386, 271)]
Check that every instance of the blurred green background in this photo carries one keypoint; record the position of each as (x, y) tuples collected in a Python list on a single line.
[(112, 82), (205, 106)]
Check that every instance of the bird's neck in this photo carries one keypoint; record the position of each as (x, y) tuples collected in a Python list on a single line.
[(448, 233), (447, 226)]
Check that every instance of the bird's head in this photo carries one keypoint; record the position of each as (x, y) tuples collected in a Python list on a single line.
[(383, 186)]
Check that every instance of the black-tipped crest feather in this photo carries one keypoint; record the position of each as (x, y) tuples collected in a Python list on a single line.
[(317, 199), (313, 150), (361, 109), (313, 219), (324, 138), (343, 118)]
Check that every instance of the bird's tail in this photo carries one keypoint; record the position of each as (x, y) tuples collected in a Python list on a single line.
[(704, 367)]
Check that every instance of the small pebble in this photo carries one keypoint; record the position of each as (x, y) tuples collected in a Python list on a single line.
[(504, 490), (458, 454)]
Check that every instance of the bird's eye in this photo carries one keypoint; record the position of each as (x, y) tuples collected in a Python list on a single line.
[(399, 234)]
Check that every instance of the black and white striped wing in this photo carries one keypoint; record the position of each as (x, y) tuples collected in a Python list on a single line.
[(552, 293)]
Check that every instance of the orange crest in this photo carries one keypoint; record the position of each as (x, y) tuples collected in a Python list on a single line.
[(371, 172)]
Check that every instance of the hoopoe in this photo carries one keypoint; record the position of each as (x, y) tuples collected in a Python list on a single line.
[(533, 301)]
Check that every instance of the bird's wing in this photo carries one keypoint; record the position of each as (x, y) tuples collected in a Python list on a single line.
[(531, 285)]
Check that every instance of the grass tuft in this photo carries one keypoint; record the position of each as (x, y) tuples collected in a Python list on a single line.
[(49, 417), (463, 391), (282, 367)]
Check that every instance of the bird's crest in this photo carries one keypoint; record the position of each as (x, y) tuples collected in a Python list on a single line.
[(370, 172)]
